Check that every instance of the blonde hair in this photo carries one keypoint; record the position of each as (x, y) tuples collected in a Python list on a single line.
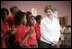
[(49, 7)]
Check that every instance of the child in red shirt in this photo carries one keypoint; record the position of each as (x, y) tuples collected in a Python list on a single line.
[(4, 27), (10, 18), (22, 31), (37, 28), (33, 41), (5, 32), (10, 21)]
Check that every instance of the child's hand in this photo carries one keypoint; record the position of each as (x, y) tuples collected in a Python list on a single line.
[(11, 31), (30, 31)]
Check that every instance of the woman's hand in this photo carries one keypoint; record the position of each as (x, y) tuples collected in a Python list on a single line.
[(54, 43)]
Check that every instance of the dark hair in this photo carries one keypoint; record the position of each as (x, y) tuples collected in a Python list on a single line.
[(18, 17), (2, 12), (27, 14), (12, 8), (38, 17)]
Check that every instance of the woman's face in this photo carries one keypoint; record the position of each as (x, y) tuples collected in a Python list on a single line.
[(32, 20), (24, 21), (49, 12)]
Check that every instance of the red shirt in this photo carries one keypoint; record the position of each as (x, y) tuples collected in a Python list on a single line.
[(10, 20), (33, 37), (20, 34), (3, 45), (37, 29), (4, 27)]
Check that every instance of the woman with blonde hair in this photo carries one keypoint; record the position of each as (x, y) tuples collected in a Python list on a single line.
[(50, 29)]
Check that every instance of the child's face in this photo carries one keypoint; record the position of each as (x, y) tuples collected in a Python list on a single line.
[(5, 14), (39, 21), (32, 20), (15, 10), (24, 21)]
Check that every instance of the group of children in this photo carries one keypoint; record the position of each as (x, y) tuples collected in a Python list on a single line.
[(20, 29)]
